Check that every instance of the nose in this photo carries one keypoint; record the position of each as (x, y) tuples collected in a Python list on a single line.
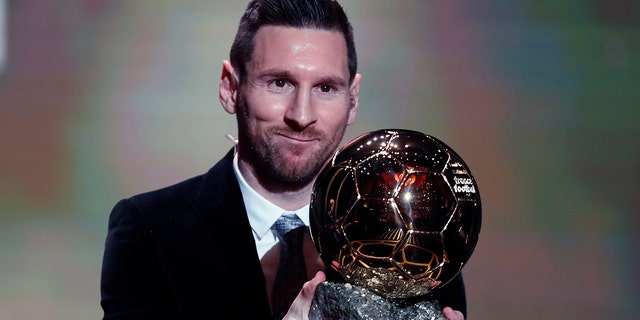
[(301, 112)]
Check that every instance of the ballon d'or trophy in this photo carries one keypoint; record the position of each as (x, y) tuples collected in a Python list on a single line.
[(396, 214)]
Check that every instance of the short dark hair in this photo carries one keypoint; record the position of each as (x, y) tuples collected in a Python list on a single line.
[(316, 14)]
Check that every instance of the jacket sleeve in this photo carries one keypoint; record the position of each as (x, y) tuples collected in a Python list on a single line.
[(453, 295), (132, 285)]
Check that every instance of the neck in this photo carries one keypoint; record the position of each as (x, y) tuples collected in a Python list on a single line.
[(289, 196)]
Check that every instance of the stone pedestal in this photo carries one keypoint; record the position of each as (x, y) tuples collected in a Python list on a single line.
[(350, 302)]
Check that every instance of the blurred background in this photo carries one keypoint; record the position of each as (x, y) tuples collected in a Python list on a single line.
[(100, 100)]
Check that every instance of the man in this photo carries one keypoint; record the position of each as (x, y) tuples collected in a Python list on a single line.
[(204, 248)]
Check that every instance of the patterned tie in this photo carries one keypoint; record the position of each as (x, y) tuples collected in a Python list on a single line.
[(292, 272)]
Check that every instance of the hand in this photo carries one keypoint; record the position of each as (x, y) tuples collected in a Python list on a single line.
[(300, 307), (451, 314)]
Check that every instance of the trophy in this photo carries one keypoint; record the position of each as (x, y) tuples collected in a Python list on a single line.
[(396, 214)]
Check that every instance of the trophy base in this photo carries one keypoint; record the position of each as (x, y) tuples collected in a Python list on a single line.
[(351, 302)]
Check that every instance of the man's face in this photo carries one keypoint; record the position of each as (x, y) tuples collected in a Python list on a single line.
[(294, 106)]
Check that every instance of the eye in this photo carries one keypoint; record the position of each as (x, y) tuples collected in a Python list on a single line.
[(279, 83), (326, 88)]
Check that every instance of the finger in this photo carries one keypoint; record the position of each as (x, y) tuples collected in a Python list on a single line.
[(309, 287), (302, 304), (451, 314)]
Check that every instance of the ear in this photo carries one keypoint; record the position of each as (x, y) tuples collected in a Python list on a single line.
[(354, 98), (228, 90)]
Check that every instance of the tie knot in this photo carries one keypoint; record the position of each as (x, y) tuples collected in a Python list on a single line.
[(286, 223)]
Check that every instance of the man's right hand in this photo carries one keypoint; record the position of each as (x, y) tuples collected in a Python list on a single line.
[(301, 306)]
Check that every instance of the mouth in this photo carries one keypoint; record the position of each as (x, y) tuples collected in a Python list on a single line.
[(298, 137)]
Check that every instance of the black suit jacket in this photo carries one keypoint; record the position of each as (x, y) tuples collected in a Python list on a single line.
[(187, 252)]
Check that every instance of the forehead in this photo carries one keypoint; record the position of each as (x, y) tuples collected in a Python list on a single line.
[(281, 47)]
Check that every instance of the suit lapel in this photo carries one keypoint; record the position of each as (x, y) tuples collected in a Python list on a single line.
[(221, 210)]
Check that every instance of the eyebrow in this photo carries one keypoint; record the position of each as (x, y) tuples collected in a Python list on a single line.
[(276, 73)]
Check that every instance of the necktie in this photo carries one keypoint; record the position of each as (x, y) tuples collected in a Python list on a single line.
[(291, 273)]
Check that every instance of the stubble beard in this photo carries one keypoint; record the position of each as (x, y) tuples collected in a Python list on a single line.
[(284, 167), (293, 166)]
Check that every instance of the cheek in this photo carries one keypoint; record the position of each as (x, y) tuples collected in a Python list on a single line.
[(265, 108), (336, 117)]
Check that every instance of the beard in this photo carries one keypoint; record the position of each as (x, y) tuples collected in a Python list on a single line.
[(284, 165), (290, 165)]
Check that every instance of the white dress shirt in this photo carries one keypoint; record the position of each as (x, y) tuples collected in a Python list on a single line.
[(263, 213)]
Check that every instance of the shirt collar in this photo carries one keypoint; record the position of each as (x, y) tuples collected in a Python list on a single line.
[(261, 212)]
